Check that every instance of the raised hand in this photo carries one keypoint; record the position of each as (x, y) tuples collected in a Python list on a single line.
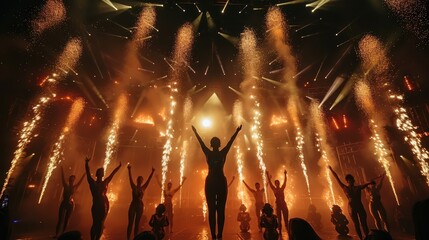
[(285, 172), (183, 178), (153, 169), (129, 166), (87, 159), (194, 129), (239, 128)]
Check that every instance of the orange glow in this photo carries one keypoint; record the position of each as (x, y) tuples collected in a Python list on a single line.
[(335, 123), (278, 120), (162, 114), (31, 186), (408, 83), (345, 121), (145, 119)]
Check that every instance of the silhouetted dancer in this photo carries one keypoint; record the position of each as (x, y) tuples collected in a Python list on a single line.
[(168, 200), (376, 207), (244, 218), (158, 221), (136, 207), (279, 193), (216, 189), (269, 221), (353, 194), (67, 204), (258, 194), (100, 203)]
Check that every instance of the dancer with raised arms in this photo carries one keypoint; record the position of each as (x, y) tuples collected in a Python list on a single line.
[(279, 193), (258, 194), (100, 202), (135, 210), (216, 189), (353, 194)]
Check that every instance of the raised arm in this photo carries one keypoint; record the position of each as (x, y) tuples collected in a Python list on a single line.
[(148, 179), (177, 189), (80, 181), (247, 186), (336, 177), (63, 179), (284, 181), (130, 177), (88, 171), (269, 180), (200, 140), (232, 180), (109, 178), (229, 144)]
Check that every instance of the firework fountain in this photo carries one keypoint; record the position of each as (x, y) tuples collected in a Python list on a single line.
[(366, 103), (251, 64), (238, 119), (58, 149), (324, 148), (112, 138), (25, 136), (187, 113), (277, 33), (182, 50), (374, 57)]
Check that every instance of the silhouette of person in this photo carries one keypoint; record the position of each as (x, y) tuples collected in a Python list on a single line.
[(339, 220), (376, 207), (216, 189), (100, 203), (136, 207), (67, 204), (244, 218), (281, 206), (353, 194), (168, 200), (269, 221), (301, 229), (158, 221), (258, 194)]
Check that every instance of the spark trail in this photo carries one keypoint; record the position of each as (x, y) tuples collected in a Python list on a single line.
[(25, 136), (70, 55), (279, 39), (181, 55), (238, 119), (366, 103), (112, 138), (187, 113), (374, 57), (58, 149), (251, 63), (319, 124)]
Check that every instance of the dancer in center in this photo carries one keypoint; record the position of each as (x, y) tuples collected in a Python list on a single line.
[(216, 189), (136, 207), (353, 194), (100, 202), (281, 206)]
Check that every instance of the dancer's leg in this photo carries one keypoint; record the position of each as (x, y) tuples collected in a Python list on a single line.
[(221, 202), (131, 216)]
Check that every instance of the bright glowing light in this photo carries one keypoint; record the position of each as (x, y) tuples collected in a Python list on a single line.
[(25, 136), (112, 139), (57, 153), (183, 156), (145, 119), (404, 123), (206, 123), (145, 23)]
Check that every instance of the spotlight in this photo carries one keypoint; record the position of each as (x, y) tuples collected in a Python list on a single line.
[(206, 123)]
